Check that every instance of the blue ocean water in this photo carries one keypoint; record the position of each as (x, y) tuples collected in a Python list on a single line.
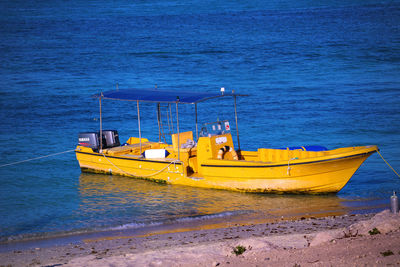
[(316, 74)]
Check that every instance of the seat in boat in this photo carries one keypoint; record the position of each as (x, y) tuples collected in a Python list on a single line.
[(183, 138)]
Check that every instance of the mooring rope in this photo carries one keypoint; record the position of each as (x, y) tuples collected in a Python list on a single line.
[(387, 163), (41, 157), (141, 175)]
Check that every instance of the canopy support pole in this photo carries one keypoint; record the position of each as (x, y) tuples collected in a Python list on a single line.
[(162, 126), (172, 122), (159, 124), (177, 127), (101, 126), (237, 128), (197, 130), (140, 132), (168, 121)]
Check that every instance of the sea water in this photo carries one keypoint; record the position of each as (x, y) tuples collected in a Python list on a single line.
[(317, 73)]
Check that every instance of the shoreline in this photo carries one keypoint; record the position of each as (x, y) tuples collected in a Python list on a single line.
[(178, 247), (195, 223)]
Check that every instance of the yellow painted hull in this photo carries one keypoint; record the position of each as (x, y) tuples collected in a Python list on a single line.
[(265, 170)]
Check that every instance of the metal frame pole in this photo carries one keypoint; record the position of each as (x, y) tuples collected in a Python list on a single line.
[(172, 122), (177, 127), (162, 126), (197, 130), (237, 127), (159, 123), (101, 126), (140, 132), (168, 121)]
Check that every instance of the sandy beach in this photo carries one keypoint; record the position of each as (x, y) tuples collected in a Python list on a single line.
[(347, 240)]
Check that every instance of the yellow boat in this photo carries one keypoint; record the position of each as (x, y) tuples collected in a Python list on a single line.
[(213, 161)]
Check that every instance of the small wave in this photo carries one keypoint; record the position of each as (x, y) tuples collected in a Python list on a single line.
[(194, 218), (44, 235), (134, 226), (211, 216), (128, 226)]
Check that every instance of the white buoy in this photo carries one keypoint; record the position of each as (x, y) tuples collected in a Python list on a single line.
[(155, 153), (394, 203)]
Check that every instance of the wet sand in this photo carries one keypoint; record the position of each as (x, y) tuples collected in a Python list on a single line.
[(334, 240)]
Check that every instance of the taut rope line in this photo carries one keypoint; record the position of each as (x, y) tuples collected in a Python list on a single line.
[(387, 163), (50, 155)]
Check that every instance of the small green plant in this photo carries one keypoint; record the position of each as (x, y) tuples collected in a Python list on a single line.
[(238, 250), (374, 232), (387, 253)]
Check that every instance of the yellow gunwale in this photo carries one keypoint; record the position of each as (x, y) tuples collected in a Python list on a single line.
[(129, 157), (235, 164)]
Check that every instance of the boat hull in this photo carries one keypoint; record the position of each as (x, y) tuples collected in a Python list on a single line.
[(324, 174), (319, 177)]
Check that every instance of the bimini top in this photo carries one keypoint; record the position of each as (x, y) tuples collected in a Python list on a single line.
[(154, 95)]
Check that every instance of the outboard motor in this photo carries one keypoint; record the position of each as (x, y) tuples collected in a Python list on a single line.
[(89, 139), (92, 139), (110, 138)]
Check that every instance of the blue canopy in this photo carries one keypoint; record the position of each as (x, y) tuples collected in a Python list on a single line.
[(154, 95)]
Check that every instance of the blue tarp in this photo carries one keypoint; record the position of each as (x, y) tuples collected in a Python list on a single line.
[(160, 96)]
